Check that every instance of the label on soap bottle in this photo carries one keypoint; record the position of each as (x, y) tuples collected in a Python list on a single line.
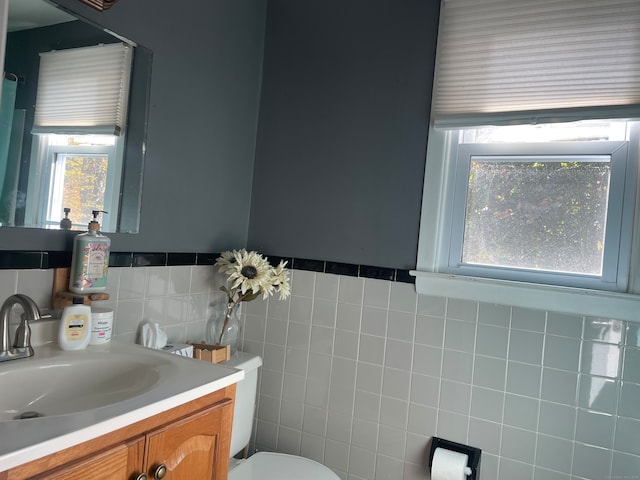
[(76, 326), (95, 262)]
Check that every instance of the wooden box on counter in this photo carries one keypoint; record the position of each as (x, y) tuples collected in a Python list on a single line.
[(211, 353)]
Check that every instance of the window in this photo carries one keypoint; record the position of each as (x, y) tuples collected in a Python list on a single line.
[(80, 172), (530, 195), (83, 90), (81, 175), (77, 153), (547, 212)]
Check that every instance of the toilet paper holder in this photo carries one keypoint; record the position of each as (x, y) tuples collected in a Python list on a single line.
[(472, 453)]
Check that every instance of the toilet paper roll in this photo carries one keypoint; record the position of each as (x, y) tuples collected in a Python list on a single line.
[(449, 465)]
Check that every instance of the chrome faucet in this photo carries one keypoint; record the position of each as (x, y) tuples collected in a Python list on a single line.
[(21, 347)]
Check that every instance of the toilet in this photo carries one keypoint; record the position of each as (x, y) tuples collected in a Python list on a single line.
[(262, 465)]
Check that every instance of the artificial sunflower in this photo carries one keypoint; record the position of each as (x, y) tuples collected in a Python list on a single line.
[(281, 280), (226, 260), (250, 275)]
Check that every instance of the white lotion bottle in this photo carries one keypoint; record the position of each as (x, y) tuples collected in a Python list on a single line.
[(75, 326)]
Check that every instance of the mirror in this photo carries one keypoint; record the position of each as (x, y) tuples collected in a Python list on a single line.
[(41, 175)]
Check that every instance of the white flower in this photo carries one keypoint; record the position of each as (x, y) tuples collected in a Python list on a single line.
[(250, 275), (226, 260), (281, 280)]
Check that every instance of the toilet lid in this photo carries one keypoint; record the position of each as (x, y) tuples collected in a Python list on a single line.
[(279, 466)]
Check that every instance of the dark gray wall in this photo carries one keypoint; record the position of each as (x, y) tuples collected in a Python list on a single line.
[(202, 123), (342, 131)]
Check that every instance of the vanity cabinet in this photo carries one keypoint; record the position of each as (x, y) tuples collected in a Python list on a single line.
[(187, 448), (192, 440), (112, 463)]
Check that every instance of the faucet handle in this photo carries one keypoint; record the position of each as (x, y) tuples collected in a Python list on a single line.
[(23, 332), (23, 335)]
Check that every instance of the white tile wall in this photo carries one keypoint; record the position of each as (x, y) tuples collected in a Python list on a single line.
[(359, 374), (367, 372), (176, 297)]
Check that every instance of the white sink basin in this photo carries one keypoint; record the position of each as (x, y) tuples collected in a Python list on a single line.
[(84, 394), (76, 383)]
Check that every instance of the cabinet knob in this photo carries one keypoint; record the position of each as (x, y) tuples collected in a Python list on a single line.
[(142, 476), (161, 471)]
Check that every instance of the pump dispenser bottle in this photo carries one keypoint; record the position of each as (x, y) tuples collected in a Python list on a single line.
[(65, 223), (90, 260)]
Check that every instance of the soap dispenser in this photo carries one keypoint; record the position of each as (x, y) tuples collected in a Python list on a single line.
[(65, 223), (90, 259)]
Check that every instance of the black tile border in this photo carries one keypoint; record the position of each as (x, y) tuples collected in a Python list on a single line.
[(10, 259), (308, 265), (120, 259), (56, 259), (149, 260), (404, 277), (347, 269), (274, 261), (178, 259), (206, 258), (378, 273), (26, 259)]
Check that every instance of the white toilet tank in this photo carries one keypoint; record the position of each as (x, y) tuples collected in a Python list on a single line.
[(245, 399)]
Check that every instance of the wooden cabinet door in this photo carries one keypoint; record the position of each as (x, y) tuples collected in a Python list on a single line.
[(123, 461), (192, 439), (195, 447)]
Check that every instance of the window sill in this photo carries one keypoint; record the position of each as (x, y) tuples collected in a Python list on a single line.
[(594, 303)]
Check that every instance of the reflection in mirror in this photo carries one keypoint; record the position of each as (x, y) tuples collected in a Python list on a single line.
[(100, 5), (72, 121)]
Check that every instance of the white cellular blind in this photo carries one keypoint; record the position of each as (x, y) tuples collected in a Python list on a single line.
[(535, 61), (83, 90)]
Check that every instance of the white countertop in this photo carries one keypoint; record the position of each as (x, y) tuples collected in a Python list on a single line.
[(180, 380)]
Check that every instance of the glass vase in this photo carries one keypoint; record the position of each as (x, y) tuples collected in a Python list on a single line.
[(225, 328)]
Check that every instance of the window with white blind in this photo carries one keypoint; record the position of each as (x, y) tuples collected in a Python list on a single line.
[(80, 117), (83, 90), (517, 61), (530, 194)]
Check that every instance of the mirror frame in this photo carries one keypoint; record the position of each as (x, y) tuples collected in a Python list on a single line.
[(100, 5)]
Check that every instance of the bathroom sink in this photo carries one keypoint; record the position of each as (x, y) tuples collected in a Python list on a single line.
[(57, 399), (70, 384)]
